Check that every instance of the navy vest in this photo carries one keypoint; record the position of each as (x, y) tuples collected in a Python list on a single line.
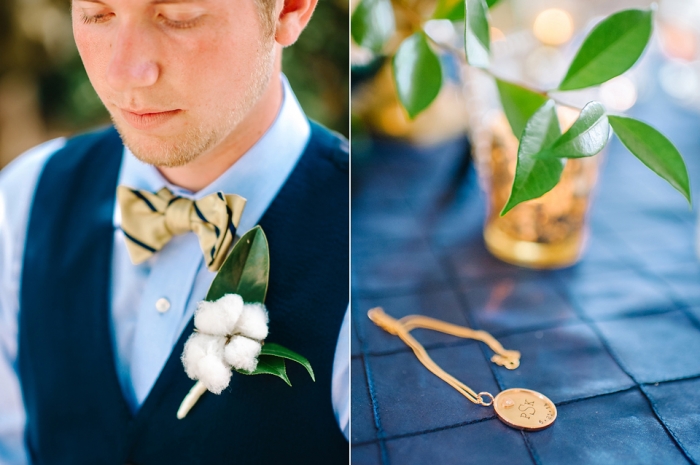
[(76, 413)]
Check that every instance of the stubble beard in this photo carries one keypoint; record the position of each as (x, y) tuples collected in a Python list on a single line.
[(186, 147)]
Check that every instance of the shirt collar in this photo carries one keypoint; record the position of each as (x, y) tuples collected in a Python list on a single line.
[(257, 176)]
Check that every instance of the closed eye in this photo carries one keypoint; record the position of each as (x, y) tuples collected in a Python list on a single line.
[(94, 19), (180, 24)]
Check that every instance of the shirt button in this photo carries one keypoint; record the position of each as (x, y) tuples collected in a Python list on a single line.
[(162, 305)]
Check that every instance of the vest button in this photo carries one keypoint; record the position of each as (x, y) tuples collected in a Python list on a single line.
[(162, 305)]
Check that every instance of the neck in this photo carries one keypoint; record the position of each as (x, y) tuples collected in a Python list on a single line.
[(206, 168)]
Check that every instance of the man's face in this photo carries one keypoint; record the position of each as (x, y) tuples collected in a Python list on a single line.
[(176, 76)]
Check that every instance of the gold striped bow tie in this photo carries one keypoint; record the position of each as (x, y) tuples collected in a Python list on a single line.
[(150, 220)]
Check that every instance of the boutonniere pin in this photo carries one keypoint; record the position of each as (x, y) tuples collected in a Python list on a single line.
[(231, 325)]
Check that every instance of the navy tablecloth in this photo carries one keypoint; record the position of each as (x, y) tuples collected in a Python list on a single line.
[(614, 341)]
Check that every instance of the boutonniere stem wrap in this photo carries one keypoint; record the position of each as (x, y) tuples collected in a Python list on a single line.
[(231, 325)]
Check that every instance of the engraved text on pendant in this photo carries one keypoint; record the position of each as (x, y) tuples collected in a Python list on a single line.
[(524, 409)]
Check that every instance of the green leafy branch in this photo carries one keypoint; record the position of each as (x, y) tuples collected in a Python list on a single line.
[(246, 272), (609, 50)]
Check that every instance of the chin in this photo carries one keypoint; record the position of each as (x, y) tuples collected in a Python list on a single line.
[(170, 151)]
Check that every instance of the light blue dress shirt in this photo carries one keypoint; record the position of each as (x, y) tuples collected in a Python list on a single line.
[(151, 302)]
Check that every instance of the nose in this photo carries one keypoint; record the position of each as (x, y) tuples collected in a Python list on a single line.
[(131, 63)]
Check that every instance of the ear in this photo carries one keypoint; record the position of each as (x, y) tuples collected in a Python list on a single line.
[(292, 19)]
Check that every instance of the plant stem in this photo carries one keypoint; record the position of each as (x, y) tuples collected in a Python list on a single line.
[(459, 54), (190, 399)]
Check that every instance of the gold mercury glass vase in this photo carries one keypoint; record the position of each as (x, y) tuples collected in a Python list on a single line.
[(548, 232)]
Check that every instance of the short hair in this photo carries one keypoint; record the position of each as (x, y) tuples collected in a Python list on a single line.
[(266, 13)]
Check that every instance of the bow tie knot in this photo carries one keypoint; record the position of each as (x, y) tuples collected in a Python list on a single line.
[(177, 216), (150, 220)]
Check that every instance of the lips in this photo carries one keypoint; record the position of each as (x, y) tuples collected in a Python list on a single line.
[(148, 119)]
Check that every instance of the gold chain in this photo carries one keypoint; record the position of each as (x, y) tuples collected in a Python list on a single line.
[(509, 359)]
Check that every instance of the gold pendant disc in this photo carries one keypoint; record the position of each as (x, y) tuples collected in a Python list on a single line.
[(524, 409)]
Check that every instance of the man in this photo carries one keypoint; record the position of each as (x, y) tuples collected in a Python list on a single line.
[(90, 343)]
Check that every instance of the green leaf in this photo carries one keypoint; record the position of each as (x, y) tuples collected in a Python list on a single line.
[(372, 24), (270, 348), (477, 36), (417, 74), (272, 362), (269, 365), (519, 104), (535, 177), (586, 137), (245, 271), (454, 9), (449, 9), (611, 48), (654, 150)]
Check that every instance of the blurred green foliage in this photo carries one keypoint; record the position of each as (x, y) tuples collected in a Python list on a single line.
[(318, 66), (36, 43)]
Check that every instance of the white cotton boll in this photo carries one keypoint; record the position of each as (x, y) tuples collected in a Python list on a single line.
[(191, 356), (203, 359), (197, 347), (193, 352), (219, 317), (242, 353), (214, 373), (253, 322)]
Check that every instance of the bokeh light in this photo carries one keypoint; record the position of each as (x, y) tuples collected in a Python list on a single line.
[(553, 26), (497, 35), (619, 93)]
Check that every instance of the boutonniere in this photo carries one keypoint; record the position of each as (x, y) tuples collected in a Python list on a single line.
[(231, 325)]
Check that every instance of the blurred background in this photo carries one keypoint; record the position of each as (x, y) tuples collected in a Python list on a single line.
[(423, 193), (45, 93), (533, 42)]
